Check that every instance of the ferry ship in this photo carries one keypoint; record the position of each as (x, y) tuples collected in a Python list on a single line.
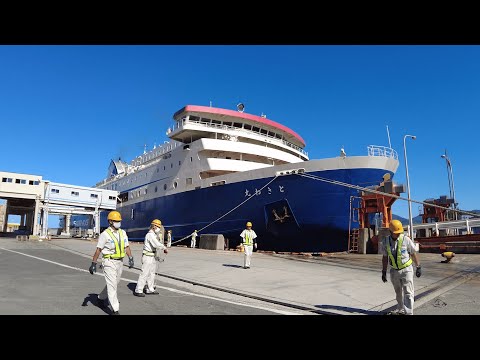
[(222, 168)]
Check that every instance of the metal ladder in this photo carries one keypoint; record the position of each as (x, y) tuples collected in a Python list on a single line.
[(353, 241)]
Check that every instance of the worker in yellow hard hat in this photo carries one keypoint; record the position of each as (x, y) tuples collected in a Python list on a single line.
[(152, 246), (448, 255), (193, 241), (113, 245), (399, 250), (248, 235)]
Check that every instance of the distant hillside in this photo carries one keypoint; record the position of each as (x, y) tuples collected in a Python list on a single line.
[(402, 219)]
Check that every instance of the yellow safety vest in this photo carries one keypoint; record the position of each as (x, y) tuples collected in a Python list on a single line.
[(119, 248), (398, 264), (248, 237)]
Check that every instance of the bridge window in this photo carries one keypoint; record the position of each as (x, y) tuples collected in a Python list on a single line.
[(111, 198), (263, 131), (247, 127), (238, 125), (20, 181), (75, 193), (95, 196), (55, 191), (255, 129)]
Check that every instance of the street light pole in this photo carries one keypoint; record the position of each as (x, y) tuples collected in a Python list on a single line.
[(413, 137), (450, 176), (448, 173)]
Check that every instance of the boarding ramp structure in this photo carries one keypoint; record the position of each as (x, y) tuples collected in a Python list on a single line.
[(33, 199), (68, 200)]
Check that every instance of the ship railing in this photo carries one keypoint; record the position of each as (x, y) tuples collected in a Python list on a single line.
[(154, 153), (229, 127), (376, 150)]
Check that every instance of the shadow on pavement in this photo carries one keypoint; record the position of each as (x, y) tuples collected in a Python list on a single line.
[(234, 266), (348, 309), (131, 286), (93, 299)]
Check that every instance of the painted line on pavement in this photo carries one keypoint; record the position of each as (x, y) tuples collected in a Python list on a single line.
[(282, 312)]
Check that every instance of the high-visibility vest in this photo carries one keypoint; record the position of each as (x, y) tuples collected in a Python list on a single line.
[(248, 240), (398, 264), (119, 248)]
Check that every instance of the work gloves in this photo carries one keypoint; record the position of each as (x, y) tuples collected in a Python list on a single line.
[(419, 271), (93, 268), (130, 262), (384, 276)]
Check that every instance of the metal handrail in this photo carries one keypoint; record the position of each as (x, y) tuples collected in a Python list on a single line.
[(229, 127), (376, 150)]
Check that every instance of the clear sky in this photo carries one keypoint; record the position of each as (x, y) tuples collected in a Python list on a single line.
[(66, 111)]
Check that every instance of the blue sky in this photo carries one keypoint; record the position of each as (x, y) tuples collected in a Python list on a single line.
[(65, 111)]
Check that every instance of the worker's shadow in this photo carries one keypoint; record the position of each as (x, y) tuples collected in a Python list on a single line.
[(348, 309), (93, 299), (132, 286), (233, 265)]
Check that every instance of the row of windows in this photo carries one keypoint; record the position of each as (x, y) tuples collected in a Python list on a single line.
[(115, 186), (76, 193), (138, 193), (237, 125), (20, 181)]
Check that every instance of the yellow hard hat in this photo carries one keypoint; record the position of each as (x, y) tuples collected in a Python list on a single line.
[(396, 227), (156, 222), (249, 223), (448, 254), (114, 216)]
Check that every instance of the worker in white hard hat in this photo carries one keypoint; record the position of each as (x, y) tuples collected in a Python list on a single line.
[(399, 250), (194, 237), (151, 246), (169, 238), (113, 245), (248, 235)]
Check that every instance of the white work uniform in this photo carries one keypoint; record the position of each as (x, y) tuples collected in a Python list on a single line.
[(194, 237), (169, 239), (112, 268), (150, 246), (247, 238), (402, 280)]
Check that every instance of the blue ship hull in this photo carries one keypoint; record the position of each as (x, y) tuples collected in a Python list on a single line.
[(317, 212)]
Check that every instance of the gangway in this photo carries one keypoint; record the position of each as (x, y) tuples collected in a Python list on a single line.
[(67, 200)]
